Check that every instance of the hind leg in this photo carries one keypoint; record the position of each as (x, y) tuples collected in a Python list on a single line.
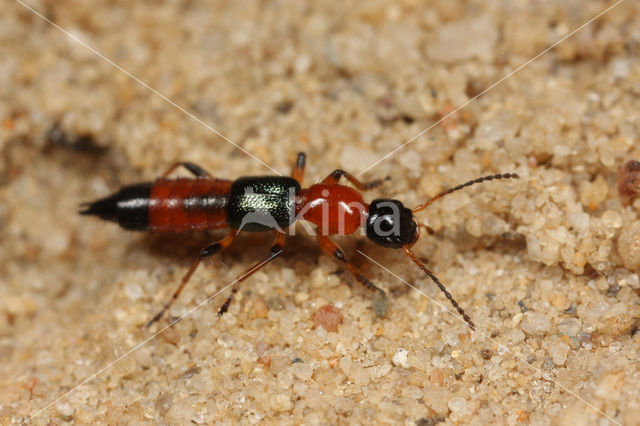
[(276, 249), (209, 250), (192, 167)]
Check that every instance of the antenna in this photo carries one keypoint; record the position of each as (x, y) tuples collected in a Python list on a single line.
[(464, 185), (441, 286)]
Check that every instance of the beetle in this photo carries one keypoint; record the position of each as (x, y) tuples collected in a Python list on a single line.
[(270, 203)]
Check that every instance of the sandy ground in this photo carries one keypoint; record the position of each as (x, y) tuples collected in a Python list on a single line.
[(547, 266)]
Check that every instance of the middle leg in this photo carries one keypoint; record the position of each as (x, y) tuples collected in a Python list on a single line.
[(298, 168)]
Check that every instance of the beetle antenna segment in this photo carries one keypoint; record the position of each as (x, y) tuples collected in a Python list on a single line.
[(435, 279), (464, 185)]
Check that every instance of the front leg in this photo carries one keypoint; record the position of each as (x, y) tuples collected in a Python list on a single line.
[(332, 249), (335, 176)]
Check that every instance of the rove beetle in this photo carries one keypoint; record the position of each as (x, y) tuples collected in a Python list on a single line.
[(269, 203)]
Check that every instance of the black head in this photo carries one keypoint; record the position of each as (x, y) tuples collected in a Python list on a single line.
[(391, 224)]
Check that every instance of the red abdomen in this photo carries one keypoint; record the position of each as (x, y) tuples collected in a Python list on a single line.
[(178, 205)]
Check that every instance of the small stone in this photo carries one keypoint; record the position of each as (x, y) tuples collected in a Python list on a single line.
[(629, 245), (343, 405), (10, 393), (133, 291), (430, 184), (620, 68), (354, 158), (301, 297), (302, 370), (592, 194), (254, 417), (437, 400), (458, 405), (163, 404), (611, 219), (201, 350), (501, 127), (380, 305), (502, 349), (559, 353), (610, 387), (20, 305), (575, 414), (265, 361), (278, 364), (56, 243), (202, 383), (523, 308), (558, 300), (629, 181), (429, 421), (65, 409), (225, 340), (281, 402), (318, 278), (275, 303), (313, 397), (569, 327), (30, 383), (257, 308), (464, 39), (261, 347), (85, 416), (579, 221), (400, 358), (595, 310), (632, 281), (535, 323), (410, 160), (514, 336), (328, 318), (436, 377)]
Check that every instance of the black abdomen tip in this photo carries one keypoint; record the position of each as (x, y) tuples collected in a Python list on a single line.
[(128, 207)]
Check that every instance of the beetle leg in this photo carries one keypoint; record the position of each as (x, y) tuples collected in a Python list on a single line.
[(276, 249), (335, 176), (193, 168), (298, 168), (332, 249), (209, 250)]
